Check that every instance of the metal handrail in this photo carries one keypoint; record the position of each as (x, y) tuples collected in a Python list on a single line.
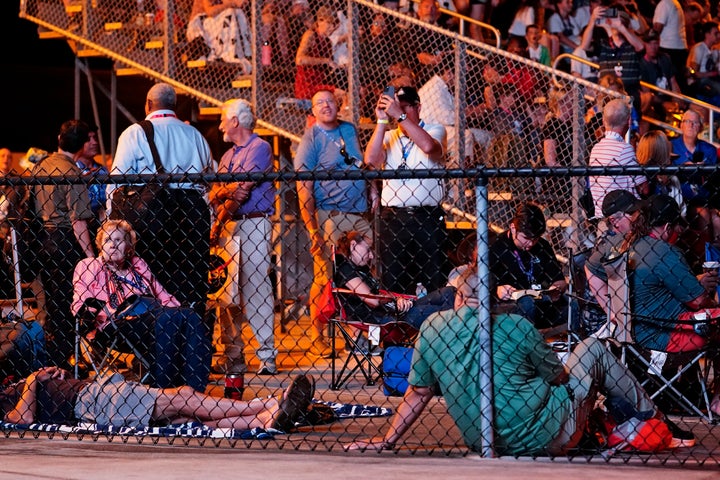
[(463, 19), (650, 86)]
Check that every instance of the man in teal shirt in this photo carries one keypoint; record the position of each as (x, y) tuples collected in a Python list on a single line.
[(540, 405)]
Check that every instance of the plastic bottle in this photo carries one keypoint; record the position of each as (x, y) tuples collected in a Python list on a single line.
[(266, 54), (420, 290)]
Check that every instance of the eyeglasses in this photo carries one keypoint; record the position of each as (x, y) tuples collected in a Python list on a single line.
[(324, 101), (692, 122)]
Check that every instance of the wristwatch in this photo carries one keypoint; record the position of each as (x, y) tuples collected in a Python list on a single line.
[(402, 117)]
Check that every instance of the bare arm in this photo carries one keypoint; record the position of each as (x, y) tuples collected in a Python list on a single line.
[(422, 139), (550, 152), (413, 403), (308, 213), (303, 57), (82, 235), (375, 154)]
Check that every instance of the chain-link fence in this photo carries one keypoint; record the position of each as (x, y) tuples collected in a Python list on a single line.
[(93, 322), (272, 269)]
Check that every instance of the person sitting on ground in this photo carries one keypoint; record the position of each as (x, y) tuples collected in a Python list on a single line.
[(540, 406), (175, 340), (528, 276), (353, 259), (49, 395)]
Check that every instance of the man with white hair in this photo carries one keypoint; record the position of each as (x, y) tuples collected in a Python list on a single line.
[(243, 230), (613, 151), (173, 235)]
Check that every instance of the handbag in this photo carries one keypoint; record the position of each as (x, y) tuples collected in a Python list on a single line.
[(132, 202), (135, 306)]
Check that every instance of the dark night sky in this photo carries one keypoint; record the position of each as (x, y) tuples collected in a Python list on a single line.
[(38, 83)]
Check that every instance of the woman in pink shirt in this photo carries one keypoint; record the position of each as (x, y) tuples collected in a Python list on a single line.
[(175, 340)]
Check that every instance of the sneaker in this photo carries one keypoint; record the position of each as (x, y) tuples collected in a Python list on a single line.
[(680, 437), (294, 403), (320, 349)]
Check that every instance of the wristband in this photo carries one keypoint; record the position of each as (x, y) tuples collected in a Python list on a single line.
[(383, 121)]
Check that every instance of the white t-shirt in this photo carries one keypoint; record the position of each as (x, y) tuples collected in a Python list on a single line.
[(669, 13), (702, 55), (524, 17)]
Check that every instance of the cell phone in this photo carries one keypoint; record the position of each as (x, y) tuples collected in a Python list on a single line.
[(389, 91), (610, 12)]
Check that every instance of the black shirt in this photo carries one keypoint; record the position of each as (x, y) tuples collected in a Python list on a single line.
[(521, 269)]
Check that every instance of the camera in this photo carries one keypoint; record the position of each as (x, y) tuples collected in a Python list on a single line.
[(610, 12), (389, 91)]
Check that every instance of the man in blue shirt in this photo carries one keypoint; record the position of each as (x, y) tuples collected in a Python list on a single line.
[(693, 151), (243, 230), (329, 207)]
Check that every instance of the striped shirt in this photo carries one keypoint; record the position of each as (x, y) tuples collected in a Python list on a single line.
[(612, 151)]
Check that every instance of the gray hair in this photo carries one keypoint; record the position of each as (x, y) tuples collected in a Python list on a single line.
[(468, 283), (616, 114), (163, 96), (237, 107)]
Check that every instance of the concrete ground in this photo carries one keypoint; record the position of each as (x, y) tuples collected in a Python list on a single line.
[(433, 446)]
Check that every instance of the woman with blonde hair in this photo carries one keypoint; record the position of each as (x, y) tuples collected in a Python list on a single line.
[(174, 340), (654, 150)]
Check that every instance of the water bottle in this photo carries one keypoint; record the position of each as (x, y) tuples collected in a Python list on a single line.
[(420, 290), (266, 54)]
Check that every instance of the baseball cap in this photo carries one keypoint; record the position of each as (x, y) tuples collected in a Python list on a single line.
[(409, 95), (662, 209), (619, 201)]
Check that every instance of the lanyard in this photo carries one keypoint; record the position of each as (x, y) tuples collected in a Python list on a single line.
[(116, 290), (528, 272), (340, 145), (407, 147), (162, 115)]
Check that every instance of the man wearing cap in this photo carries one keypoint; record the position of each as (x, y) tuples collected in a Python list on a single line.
[(613, 151), (329, 207), (618, 208), (412, 223), (527, 274)]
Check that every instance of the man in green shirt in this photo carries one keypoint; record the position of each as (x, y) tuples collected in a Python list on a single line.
[(540, 405)]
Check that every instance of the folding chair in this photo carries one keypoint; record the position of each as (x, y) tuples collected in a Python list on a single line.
[(359, 359), (102, 357), (621, 320)]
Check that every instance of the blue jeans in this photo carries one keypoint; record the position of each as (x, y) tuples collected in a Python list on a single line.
[(435, 301), (175, 341), (544, 313)]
